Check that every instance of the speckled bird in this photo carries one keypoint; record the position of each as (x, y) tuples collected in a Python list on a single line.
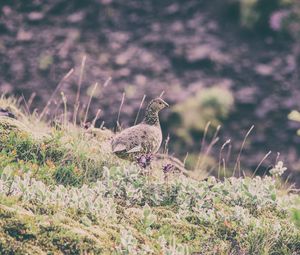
[(143, 138)]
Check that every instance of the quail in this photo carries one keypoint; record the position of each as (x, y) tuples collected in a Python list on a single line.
[(143, 138)]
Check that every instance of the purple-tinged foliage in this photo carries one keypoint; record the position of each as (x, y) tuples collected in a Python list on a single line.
[(144, 160)]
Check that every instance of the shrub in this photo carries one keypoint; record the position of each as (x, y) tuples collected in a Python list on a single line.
[(208, 105)]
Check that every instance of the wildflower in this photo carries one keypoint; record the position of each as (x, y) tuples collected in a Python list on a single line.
[(144, 160), (168, 168), (278, 170)]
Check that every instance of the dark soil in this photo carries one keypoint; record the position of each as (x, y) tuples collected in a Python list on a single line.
[(152, 46)]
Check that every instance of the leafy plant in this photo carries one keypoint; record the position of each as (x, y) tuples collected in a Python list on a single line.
[(295, 116), (213, 103), (63, 191)]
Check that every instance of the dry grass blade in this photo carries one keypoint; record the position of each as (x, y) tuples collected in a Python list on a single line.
[(120, 108), (92, 95), (202, 143), (26, 105), (64, 99), (224, 167), (263, 159), (102, 124), (290, 187), (162, 93), (238, 160), (214, 140), (80, 77), (217, 132), (19, 100), (106, 83), (30, 100), (220, 157), (185, 158), (228, 152), (210, 146), (166, 150), (89, 103), (55, 91), (76, 105), (277, 158), (140, 107), (96, 117)]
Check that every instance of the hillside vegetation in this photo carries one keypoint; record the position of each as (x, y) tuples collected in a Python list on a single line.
[(235, 61), (62, 191)]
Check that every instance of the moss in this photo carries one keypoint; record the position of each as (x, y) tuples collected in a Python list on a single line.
[(68, 175), (19, 230), (50, 160), (6, 214), (24, 234), (71, 243), (10, 246)]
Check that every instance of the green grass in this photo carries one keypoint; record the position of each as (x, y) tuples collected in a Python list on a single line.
[(62, 191)]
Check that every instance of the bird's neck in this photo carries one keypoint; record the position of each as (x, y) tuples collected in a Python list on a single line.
[(151, 117)]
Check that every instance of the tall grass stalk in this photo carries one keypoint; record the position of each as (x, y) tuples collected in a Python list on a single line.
[(59, 85), (258, 166), (214, 140), (89, 103), (77, 101), (119, 112), (238, 159), (202, 143), (222, 158), (140, 107)]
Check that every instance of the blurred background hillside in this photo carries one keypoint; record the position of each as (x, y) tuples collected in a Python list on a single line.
[(234, 63)]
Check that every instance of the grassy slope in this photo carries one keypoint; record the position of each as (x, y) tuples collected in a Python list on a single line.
[(63, 192)]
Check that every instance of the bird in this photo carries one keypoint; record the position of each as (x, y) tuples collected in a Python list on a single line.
[(144, 138)]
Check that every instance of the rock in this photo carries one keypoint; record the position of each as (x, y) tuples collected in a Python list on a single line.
[(264, 70), (124, 57), (6, 88), (140, 79), (247, 95), (6, 10), (76, 17), (35, 16), (177, 26), (24, 36), (205, 51)]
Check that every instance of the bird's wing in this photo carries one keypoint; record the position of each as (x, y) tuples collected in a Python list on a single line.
[(119, 147), (135, 149)]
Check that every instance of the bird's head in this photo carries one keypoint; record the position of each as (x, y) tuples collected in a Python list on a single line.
[(157, 104)]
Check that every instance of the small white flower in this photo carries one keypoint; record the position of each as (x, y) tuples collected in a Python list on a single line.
[(278, 170)]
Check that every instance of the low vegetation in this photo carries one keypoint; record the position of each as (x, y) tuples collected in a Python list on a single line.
[(281, 16), (62, 191)]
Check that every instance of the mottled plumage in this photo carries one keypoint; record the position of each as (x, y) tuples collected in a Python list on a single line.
[(143, 138)]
